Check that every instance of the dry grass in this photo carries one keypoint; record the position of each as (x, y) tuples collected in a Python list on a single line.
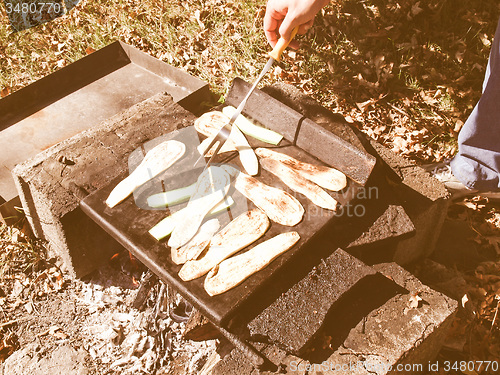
[(214, 40), (406, 72)]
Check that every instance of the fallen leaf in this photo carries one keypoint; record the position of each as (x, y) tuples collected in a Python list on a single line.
[(399, 143), (55, 331), (484, 39), (364, 105), (414, 300), (458, 126), (5, 91), (29, 307), (495, 242), (197, 16), (7, 347), (467, 204), (465, 299), (415, 9)]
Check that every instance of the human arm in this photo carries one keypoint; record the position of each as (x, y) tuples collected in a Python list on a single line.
[(282, 16)]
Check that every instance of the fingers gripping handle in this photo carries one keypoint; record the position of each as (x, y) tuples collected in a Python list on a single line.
[(281, 45)]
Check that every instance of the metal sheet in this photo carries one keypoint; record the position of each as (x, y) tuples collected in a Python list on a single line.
[(80, 96)]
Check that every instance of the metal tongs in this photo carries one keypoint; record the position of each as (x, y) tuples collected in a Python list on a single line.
[(225, 131)]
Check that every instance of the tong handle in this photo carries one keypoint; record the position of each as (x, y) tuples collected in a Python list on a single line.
[(281, 45)]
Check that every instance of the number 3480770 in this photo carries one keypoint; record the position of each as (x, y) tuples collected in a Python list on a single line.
[(471, 366), (33, 7)]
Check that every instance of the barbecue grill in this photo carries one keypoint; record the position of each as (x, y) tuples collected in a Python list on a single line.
[(395, 219)]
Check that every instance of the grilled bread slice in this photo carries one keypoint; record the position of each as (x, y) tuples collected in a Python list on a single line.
[(235, 270), (209, 125), (198, 243), (239, 233)]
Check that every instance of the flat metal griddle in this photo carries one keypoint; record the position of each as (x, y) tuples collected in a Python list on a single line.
[(129, 225)]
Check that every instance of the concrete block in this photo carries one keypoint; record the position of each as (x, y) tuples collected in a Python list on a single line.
[(310, 108), (423, 198), (294, 319), (52, 183), (392, 338), (394, 222), (305, 133)]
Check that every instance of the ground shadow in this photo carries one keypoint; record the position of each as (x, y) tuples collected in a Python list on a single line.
[(351, 309)]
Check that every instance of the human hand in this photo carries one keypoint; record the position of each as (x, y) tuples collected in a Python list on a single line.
[(282, 16)]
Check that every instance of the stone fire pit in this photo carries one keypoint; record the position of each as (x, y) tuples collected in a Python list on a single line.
[(349, 303)]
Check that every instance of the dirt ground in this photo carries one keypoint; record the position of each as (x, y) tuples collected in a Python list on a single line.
[(90, 325)]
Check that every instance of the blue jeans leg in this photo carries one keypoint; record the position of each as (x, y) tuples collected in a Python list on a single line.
[(477, 163)]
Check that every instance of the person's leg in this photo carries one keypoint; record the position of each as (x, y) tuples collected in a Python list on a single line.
[(477, 163)]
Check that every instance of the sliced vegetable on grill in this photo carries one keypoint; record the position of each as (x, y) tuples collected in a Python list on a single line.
[(238, 234), (166, 226), (211, 188), (300, 184), (231, 169), (156, 160), (198, 243), (236, 269), (253, 130), (172, 197), (280, 206), (209, 125), (326, 177)]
